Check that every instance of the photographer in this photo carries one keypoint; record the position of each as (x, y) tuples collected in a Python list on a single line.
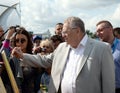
[(46, 47), (36, 42), (5, 46)]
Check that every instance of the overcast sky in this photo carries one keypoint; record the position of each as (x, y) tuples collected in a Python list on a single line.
[(41, 15)]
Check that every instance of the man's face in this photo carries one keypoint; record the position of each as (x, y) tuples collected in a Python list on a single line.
[(69, 34), (103, 32), (58, 30)]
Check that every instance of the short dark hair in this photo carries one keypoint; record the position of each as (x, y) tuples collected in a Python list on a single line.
[(106, 22), (59, 24), (117, 29), (57, 38)]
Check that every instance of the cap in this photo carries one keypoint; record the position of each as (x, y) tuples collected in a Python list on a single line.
[(35, 37)]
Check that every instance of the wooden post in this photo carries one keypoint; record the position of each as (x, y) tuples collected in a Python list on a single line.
[(10, 74), (2, 88)]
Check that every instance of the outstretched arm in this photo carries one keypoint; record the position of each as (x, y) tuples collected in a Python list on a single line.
[(33, 60)]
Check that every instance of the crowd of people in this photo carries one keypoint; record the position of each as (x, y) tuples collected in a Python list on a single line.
[(67, 62)]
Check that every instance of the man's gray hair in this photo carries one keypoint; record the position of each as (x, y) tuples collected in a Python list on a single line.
[(75, 22)]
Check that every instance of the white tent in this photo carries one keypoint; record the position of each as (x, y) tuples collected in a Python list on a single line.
[(18, 12), (9, 13)]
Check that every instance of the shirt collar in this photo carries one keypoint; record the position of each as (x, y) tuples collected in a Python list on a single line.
[(82, 42)]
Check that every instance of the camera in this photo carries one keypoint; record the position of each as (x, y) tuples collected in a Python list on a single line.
[(39, 50), (17, 27), (43, 49)]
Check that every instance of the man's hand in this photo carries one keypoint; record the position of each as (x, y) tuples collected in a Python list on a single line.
[(17, 52)]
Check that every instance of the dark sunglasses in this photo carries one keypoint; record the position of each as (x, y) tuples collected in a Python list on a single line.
[(22, 40)]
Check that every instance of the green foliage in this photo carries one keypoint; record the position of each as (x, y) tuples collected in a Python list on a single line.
[(91, 34)]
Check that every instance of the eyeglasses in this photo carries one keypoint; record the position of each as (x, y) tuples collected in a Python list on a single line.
[(22, 40), (67, 31)]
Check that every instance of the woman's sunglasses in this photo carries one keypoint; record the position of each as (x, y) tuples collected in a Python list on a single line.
[(22, 40)]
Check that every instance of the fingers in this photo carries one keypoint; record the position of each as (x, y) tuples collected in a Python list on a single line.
[(16, 52)]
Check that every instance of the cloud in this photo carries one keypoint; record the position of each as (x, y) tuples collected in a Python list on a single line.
[(85, 4), (42, 15), (116, 15)]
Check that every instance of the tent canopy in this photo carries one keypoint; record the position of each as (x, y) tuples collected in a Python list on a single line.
[(9, 13)]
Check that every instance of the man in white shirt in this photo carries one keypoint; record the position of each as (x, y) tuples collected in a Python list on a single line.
[(79, 65)]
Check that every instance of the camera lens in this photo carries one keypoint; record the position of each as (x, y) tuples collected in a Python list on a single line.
[(43, 49)]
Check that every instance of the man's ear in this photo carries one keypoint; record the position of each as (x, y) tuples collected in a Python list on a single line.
[(78, 30)]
